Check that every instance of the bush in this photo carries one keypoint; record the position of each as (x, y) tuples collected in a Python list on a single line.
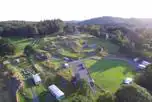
[(144, 78), (106, 97), (132, 93)]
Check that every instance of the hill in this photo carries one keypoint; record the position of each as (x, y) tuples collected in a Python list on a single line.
[(129, 22)]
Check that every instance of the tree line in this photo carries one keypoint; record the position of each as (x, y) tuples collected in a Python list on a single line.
[(133, 42), (30, 29)]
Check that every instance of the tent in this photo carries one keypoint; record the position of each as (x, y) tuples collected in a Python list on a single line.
[(56, 92)]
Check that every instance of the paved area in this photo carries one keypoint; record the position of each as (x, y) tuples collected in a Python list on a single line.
[(13, 86), (83, 73)]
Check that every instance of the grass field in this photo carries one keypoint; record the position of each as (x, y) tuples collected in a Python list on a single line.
[(109, 74), (20, 43)]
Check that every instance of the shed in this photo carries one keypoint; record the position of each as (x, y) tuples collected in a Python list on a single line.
[(56, 92), (36, 79)]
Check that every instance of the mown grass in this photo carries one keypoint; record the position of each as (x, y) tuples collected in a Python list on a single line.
[(109, 74), (20, 43)]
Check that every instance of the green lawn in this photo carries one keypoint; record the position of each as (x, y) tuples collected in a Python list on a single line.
[(109, 74), (112, 48), (20, 42)]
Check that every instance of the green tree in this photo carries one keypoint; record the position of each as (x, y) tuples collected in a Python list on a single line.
[(6, 47), (28, 50), (144, 78), (106, 97), (132, 93), (83, 88), (79, 98)]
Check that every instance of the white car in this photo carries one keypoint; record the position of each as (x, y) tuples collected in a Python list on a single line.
[(128, 81)]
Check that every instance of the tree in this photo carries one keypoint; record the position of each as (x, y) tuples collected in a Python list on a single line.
[(28, 50), (106, 97), (6, 47), (132, 93), (83, 88), (79, 98), (69, 28), (144, 78), (30, 29)]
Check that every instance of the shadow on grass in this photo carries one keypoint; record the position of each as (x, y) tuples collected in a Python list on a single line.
[(47, 97), (29, 83)]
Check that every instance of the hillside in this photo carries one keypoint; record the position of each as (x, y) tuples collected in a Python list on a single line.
[(108, 20)]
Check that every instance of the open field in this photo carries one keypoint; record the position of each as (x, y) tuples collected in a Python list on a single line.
[(109, 74)]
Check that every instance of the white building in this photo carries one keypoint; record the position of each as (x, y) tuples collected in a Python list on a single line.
[(56, 92), (36, 78)]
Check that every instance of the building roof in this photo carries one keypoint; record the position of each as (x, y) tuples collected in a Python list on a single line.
[(56, 91), (36, 78)]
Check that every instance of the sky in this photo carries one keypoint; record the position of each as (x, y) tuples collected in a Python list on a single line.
[(36, 10)]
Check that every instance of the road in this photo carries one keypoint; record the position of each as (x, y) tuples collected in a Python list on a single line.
[(13, 86)]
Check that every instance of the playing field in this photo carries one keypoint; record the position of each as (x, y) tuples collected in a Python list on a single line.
[(109, 74)]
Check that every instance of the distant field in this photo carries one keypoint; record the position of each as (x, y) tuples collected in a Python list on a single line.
[(20, 43), (109, 74), (112, 48)]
